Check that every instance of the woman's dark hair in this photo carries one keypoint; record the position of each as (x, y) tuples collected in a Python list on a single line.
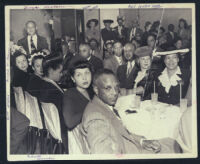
[(146, 24), (177, 39), (51, 61), (36, 58), (153, 35), (16, 54), (80, 64), (184, 21), (94, 41), (155, 25)]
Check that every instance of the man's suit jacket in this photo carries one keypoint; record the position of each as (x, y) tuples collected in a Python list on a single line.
[(105, 133), (124, 33), (170, 39), (41, 43), (126, 82), (112, 64)]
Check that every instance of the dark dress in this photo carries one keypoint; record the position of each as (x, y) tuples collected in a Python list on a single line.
[(34, 86), (74, 104), (51, 94), (173, 97), (19, 128), (147, 83), (108, 35), (20, 78)]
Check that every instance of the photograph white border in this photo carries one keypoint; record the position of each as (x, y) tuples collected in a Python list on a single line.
[(194, 153)]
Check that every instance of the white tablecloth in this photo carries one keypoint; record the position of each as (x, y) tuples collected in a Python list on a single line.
[(154, 121)]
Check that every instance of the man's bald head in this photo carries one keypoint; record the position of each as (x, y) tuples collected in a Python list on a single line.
[(129, 50), (106, 86)]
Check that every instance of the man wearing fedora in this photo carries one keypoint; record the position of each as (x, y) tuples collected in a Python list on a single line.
[(121, 31)]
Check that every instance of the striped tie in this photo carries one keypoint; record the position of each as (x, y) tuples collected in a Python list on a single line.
[(33, 48)]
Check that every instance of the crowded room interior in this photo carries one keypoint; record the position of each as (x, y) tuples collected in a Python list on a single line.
[(101, 81)]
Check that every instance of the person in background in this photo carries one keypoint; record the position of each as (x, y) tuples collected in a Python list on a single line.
[(143, 83), (33, 42), (92, 32), (155, 28), (134, 30), (126, 73), (161, 32), (184, 33), (51, 92), (75, 100), (36, 79), (107, 33), (171, 35), (116, 60), (156, 62), (147, 28), (109, 48), (72, 46), (94, 45), (136, 43), (121, 30), (185, 58), (21, 74), (103, 130), (168, 81)]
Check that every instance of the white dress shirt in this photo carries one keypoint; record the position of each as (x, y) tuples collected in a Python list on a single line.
[(119, 59), (34, 37), (130, 66)]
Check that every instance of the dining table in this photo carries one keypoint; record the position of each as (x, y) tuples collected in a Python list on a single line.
[(153, 120)]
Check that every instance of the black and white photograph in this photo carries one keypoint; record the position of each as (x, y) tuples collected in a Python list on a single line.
[(101, 81)]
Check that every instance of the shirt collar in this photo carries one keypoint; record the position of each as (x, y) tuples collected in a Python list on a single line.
[(89, 58), (34, 36), (53, 82), (119, 59)]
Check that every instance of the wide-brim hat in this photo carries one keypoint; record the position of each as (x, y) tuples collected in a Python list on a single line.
[(143, 51), (92, 20), (108, 21)]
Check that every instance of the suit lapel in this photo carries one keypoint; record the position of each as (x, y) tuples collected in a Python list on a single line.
[(112, 117), (26, 45)]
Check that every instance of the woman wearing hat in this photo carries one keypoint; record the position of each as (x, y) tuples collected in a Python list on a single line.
[(168, 81), (145, 76), (92, 32)]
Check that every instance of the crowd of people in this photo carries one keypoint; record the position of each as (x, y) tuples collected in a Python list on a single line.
[(84, 85)]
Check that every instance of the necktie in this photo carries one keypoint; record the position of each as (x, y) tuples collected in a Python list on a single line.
[(129, 68), (116, 112), (33, 48)]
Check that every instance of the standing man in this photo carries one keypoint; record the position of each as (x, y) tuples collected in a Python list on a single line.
[(102, 127), (135, 31), (33, 42), (171, 35), (121, 30), (116, 60), (127, 73)]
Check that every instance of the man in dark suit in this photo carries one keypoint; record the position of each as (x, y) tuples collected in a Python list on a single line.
[(134, 31), (33, 42), (171, 35), (116, 60), (121, 30), (103, 129), (127, 73)]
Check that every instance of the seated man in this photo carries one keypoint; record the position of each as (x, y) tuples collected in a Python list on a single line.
[(85, 53), (127, 73), (116, 60), (103, 130)]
